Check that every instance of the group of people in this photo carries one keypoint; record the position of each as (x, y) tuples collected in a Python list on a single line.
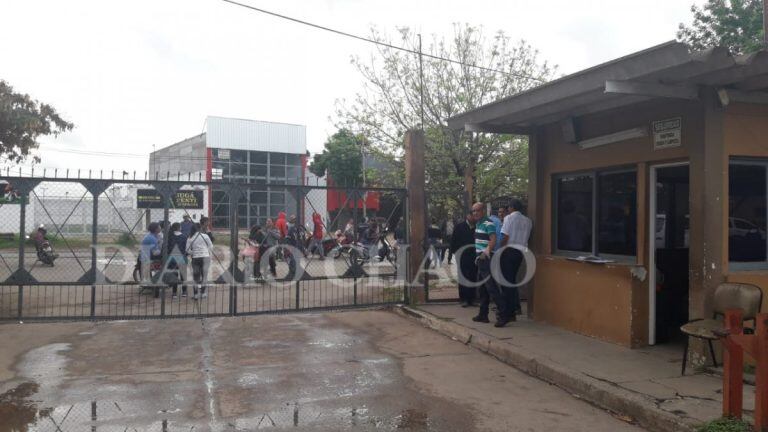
[(475, 242), (188, 243), (284, 231)]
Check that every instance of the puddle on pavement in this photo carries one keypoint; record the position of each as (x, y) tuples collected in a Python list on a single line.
[(17, 411)]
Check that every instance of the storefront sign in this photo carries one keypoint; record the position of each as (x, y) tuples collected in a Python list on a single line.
[(666, 133), (185, 199)]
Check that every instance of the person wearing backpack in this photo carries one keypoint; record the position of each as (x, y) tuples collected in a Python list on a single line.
[(199, 248)]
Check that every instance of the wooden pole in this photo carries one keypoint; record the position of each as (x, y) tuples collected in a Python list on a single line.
[(415, 179)]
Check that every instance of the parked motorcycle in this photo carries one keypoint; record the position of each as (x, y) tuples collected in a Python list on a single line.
[(45, 253), (170, 276)]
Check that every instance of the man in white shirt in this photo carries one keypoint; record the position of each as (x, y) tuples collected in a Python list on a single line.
[(516, 230)]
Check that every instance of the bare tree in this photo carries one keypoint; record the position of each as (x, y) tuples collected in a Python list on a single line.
[(476, 165)]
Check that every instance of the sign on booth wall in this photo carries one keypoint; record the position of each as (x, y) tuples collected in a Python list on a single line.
[(667, 133), (149, 198)]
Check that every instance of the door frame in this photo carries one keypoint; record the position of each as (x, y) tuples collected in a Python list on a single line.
[(652, 209)]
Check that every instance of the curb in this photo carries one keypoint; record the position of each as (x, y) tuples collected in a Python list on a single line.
[(641, 408)]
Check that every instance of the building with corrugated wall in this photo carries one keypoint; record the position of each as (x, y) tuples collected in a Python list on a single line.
[(239, 150)]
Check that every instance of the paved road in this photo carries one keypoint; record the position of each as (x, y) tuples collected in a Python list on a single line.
[(361, 370)]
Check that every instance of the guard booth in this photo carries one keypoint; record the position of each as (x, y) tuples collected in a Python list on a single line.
[(648, 188)]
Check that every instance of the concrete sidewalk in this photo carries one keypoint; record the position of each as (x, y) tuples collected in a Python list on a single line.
[(644, 384)]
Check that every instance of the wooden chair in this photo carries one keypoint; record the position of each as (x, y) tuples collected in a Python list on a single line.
[(727, 296)]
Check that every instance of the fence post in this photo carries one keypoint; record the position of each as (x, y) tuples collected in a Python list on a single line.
[(94, 242), (733, 364), (354, 290), (20, 306), (298, 289), (22, 239)]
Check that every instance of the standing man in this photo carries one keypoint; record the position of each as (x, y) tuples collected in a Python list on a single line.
[(485, 244), (463, 236), (516, 230), (186, 226), (497, 220)]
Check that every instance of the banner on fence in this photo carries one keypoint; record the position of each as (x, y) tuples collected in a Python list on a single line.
[(151, 199)]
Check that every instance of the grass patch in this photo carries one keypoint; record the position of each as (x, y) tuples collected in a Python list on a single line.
[(56, 243), (725, 424), (126, 239)]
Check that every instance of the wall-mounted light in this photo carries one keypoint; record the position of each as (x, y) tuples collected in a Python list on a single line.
[(613, 138)]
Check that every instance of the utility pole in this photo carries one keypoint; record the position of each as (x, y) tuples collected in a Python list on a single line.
[(362, 162), (421, 82)]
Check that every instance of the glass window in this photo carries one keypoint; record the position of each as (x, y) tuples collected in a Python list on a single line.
[(276, 171), (277, 158), (574, 213), (293, 159), (277, 197), (258, 197), (747, 212), (258, 170), (259, 157), (617, 214), (293, 173), (238, 169), (220, 196), (221, 210), (239, 156)]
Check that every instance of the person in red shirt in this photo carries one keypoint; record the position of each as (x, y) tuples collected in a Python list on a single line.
[(316, 243), (282, 225)]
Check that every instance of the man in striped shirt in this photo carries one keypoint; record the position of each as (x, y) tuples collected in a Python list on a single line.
[(485, 244)]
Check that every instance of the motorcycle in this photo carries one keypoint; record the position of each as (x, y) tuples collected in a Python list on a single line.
[(45, 253), (170, 276)]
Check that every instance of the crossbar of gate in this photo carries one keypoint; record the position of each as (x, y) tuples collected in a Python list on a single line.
[(318, 265)]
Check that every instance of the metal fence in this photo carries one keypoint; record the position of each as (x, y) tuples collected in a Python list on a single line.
[(96, 227)]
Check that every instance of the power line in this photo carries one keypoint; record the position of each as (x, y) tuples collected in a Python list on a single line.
[(373, 41)]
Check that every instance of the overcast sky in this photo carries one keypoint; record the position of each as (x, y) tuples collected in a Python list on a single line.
[(135, 74)]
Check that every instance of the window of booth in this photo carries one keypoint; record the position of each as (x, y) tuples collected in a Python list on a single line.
[(748, 214), (596, 213)]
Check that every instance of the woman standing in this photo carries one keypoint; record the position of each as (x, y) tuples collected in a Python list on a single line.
[(199, 247)]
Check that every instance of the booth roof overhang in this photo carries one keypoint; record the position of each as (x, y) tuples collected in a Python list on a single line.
[(669, 70)]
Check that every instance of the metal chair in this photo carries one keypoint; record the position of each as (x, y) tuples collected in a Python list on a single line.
[(727, 296)]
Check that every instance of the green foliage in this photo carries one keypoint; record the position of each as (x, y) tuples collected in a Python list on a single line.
[(341, 158), (126, 239), (735, 24), (725, 424), (22, 121), (390, 104)]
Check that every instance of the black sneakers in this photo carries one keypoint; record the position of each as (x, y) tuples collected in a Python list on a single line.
[(480, 319)]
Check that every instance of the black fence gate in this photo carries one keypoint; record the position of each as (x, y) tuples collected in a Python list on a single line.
[(325, 248)]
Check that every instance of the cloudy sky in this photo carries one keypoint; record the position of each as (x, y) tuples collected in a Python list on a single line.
[(133, 75)]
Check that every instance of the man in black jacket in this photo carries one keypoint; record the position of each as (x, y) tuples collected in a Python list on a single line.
[(463, 246)]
